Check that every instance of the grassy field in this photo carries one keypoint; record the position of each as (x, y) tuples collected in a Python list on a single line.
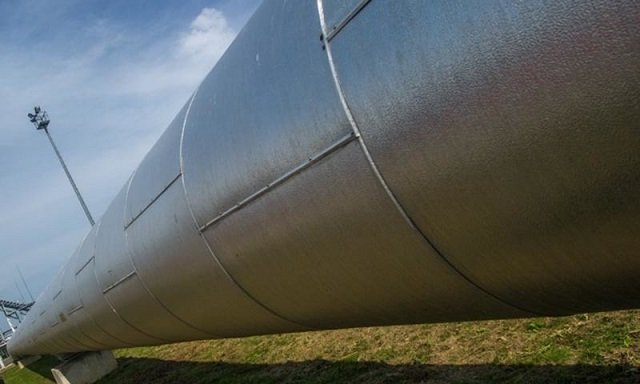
[(596, 348)]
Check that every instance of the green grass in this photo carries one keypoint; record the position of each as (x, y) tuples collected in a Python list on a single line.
[(594, 348), (38, 372)]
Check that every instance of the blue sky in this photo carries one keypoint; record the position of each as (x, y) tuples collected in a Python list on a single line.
[(112, 75)]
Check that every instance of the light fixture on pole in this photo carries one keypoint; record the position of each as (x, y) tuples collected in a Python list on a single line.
[(40, 120)]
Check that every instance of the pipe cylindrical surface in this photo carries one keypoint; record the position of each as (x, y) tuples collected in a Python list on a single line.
[(353, 163)]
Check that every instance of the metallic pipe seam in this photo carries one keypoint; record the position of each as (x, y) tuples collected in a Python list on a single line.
[(126, 243), (181, 159), (57, 295), (127, 225), (122, 280), (162, 305), (113, 309), (78, 341), (107, 300), (201, 234), (371, 161), (184, 124), (84, 265), (132, 274), (109, 334), (250, 187), (142, 282), (516, 148), (343, 23), (315, 246), (86, 340), (95, 278), (247, 293), (88, 336), (76, 309), (281, 179), (129, 254), (82, 304)]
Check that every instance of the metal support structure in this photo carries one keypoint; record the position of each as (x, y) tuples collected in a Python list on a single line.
[(14, 310), (11, 310), (13, 329)]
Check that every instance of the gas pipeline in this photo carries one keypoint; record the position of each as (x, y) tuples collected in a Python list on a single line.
[(353, 163)]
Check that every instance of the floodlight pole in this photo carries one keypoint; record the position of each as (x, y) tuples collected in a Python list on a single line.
[(41, 122), (73, 184), (25, 283)]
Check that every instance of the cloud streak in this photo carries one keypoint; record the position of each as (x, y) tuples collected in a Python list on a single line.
[(208, 37), (111, 87)]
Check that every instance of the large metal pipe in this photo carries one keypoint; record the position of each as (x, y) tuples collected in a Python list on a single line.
[(352, 163)]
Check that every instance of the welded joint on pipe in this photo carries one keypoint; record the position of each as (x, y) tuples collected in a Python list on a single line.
[(75, 309), (195, 221), (126, 194), (375, 168), (85, 265), (146, 207), (347, 19), (280, 180), (122, 280), (184, 125), (157, 300)]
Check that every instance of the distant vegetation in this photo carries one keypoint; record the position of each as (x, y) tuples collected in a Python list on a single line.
[(595, 348)]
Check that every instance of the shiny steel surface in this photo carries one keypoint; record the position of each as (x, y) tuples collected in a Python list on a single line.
[(81, 313), (340, 240), (289, 109), (123, 288), (351, 163), (198, 290), (159, 169), (515, 141), (335, 12)]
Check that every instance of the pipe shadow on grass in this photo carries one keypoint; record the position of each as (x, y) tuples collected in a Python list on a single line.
[(145, 370), (38, 371)]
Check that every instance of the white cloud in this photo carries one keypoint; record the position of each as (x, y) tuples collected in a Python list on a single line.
[(178, 64), (110, 93), (208, 37)]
